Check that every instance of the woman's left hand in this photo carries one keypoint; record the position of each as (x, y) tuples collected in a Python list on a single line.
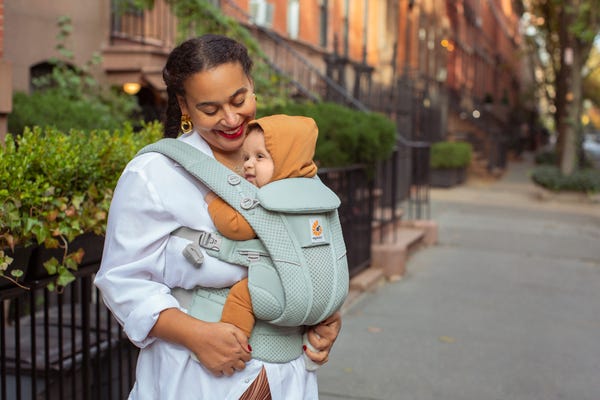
[(322, 337)]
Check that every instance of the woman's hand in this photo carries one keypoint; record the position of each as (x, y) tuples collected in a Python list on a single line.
[(221, 348), (322, 337)]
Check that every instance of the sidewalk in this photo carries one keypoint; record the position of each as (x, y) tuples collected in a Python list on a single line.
[(505, 306)]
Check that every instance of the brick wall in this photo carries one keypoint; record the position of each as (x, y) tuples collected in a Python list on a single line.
[(5, 81), (1, 28)]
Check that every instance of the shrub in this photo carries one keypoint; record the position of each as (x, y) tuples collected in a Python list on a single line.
[(346, 136), (546, 157), (55, 186), (450, 154), (550, 177), (53, 108)]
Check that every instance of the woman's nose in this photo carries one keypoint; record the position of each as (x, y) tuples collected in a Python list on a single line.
[(230, 117)]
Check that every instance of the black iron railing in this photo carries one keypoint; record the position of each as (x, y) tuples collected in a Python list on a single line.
[(355, 190), (155, 27), (62, 345)]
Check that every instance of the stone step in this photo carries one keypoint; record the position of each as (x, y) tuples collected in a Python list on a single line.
[(366, 280), (388, 259)]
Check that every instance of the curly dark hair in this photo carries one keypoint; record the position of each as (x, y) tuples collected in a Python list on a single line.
[(192, 56)]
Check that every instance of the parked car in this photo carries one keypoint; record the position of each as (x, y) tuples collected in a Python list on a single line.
[(591, 148)]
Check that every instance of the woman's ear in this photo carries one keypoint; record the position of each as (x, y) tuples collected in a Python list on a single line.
[(182, 105)]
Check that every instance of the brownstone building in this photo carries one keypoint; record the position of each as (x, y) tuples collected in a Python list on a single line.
[(440, 68)]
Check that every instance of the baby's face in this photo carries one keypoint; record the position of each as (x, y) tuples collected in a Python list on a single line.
[(258, 164)]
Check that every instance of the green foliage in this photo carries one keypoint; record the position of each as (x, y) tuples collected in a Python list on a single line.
[(583, 180), (450, 154), (346, 136), (591, 83), (55, 186), (547, 157), (70, 97)]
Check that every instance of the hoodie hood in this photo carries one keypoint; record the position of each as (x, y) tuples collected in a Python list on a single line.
[(291, 141)]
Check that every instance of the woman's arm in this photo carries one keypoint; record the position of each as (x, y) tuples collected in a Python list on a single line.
[(322, 337), (221, 348), (141, 262)]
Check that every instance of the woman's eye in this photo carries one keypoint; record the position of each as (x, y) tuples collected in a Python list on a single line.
[(210, 112), (238, 102)]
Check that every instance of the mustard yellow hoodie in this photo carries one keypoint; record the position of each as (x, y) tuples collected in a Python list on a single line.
[(291, 142)]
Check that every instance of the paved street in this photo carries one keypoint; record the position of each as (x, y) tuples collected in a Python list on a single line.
[(506, 305)]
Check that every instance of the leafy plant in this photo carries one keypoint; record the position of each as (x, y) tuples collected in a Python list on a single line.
[(56, 186), (450, 154)]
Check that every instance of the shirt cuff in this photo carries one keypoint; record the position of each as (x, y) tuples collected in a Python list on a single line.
[(140, 322)]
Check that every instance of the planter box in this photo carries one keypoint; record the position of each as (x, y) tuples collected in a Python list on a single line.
[(21, 260), (92, 245), (447, 177)]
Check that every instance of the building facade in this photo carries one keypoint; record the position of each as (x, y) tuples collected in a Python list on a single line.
[(441, 68)]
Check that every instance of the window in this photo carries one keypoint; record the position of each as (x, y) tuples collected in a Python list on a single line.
[(293, 17), (323, 22), (261, 13)]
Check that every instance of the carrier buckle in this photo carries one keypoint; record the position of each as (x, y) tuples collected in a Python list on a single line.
[(209, 241), (192, 253), (251, 256)]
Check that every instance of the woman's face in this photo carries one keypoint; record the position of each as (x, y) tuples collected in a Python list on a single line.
[(220, 102)]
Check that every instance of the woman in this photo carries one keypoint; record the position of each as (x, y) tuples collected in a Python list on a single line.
[(211, 98)]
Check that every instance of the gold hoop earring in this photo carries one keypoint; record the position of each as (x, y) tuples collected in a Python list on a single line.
[(186, 124)]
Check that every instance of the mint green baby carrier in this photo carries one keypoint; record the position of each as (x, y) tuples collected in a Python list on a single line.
[(298, 270)]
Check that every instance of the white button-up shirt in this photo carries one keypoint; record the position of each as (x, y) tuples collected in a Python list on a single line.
[(142, 262)]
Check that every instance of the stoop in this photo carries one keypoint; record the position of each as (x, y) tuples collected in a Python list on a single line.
[(392, 254), (389, 257)]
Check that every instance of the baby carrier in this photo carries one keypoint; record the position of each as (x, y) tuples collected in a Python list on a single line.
[(298, 271)]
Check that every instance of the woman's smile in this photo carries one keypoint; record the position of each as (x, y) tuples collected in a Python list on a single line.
[(231, 135)]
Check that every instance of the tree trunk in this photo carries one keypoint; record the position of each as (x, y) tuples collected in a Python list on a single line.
[(570, 95), (570, 124)]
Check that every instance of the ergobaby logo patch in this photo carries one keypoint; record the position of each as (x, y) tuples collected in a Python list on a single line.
[(316, 231)]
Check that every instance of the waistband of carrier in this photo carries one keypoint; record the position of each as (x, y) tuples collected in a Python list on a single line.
[(270, 343)]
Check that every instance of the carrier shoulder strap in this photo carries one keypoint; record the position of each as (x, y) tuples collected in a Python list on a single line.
[(229, 186)]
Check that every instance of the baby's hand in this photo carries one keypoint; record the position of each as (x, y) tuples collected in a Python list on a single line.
[(210, 196)]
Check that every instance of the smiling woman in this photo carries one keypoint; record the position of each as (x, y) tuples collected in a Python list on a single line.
[(145, 278)]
